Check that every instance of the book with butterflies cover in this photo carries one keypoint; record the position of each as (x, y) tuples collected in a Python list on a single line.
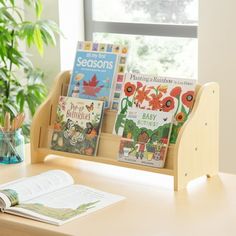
[(77, 126), (146, 137), (156, 93), (98, 72)]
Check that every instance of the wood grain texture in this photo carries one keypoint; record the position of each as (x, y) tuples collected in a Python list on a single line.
[(197, 146), (195, 153), (206, 207)]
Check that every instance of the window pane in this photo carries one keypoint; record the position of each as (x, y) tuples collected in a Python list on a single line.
[(165, 56), (146, 11)]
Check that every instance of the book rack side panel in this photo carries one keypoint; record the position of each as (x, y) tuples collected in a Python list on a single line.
[(196, 149), (45, 117)]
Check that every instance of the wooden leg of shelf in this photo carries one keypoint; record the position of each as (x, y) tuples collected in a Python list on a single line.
[(179, 183), (211, 174), (37, 157)]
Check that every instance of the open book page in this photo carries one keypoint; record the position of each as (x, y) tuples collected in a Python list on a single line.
[(25, 189), (65, 204)]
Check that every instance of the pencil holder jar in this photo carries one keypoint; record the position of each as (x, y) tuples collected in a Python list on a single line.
[(12, 147)]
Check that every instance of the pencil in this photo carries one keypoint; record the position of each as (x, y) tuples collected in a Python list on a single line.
[(7, 122)]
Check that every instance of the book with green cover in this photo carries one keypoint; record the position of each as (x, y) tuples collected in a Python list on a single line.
[(145, 137)]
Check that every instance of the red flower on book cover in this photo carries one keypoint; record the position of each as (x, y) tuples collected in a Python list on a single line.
[(57, 126), (168, 104), (129, 89), (155, 102), (187, 99), (175, 92), (164, 140), (142, 94), (139, 84), (91, 88)]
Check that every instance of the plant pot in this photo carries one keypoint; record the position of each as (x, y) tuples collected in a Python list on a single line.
[(126, 151), (149, 156)]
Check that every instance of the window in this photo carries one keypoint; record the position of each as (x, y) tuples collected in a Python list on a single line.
[(161, 34)]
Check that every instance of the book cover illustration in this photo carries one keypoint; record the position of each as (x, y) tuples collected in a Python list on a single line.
[(145, 137), (57, 213), (119, 78), (94, 72), (156, 93), (77, 125)]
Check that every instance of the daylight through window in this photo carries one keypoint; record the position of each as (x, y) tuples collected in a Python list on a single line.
[(161, 34)]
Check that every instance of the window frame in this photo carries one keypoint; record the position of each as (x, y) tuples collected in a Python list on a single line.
[(167, 30)]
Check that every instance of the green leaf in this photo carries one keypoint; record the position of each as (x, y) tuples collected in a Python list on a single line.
[(120, 122), (25, 62), (3, 74), (27, 32), (20, 99), (48, 34), (38, 8), (53, 26), (6, 15), (129, 103), (12, 2), (38, 39), (183, 110), (28, 2), (18, 13), (14, 55), (31, 104), (3, 2), (10, 107)]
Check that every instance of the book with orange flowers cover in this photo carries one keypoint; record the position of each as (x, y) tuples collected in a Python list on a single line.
[(77, 126), (156, 93)]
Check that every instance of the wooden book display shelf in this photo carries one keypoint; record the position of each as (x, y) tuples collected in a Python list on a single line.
[(195, 153)]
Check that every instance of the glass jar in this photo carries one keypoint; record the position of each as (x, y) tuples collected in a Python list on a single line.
[(12, 147)]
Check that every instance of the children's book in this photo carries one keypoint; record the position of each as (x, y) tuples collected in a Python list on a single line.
[(52, 197), (146, 137), (156, 93), (77, 126), (98, 72)]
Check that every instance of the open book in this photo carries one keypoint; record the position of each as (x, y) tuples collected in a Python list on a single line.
[(52, 197)]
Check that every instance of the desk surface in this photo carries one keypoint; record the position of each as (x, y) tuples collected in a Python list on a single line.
[(206, 207)]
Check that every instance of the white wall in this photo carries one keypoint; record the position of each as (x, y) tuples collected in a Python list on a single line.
[(217, 53), (71, 20), (71, 24), (50, 62)]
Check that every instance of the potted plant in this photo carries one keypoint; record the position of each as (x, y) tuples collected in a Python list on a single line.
[(21, 84), (128, 148)]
